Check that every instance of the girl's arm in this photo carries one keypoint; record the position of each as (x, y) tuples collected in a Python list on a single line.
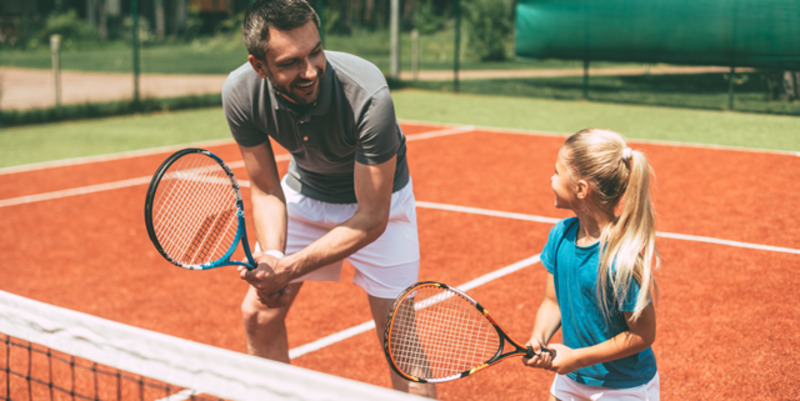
[(548, 321), (640, 335)]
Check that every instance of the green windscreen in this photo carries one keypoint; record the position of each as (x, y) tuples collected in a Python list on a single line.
[(754, 33)]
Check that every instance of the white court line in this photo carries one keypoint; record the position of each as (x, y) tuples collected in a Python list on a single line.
[(550, 220), (145, 180), (171, 148), (108, 157), (370, 325), (486, 278), (132, 182)]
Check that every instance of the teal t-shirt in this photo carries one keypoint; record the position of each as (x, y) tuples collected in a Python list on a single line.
[(574, 270)]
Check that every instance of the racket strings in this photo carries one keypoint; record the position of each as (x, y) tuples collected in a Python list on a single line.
[(440, 335), (194, 210)]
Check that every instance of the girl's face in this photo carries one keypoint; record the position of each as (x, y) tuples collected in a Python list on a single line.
[(564, 187)]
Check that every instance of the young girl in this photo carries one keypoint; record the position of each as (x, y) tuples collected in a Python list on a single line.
[(600, 265)]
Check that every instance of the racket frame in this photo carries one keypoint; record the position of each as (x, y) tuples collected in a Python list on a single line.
[(241, 232), (499, 356)]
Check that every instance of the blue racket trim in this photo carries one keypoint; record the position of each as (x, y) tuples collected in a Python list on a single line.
[(171, 168)]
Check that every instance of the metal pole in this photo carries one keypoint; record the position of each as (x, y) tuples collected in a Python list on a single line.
[(135, 45), (394, 27), (320, 11), (457, 45), (730, 87), (55, 52), (415, 54), (585, 79)]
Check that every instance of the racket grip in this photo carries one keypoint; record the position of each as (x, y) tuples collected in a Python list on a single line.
[(530, 353)]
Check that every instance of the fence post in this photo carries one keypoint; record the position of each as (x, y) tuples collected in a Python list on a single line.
[(457, 45), (135, 45), (415, 54), (55, 53), (395, 39), (730, 87), (585, 79)]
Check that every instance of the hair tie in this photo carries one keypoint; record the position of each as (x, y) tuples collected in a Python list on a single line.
[(626, 154)]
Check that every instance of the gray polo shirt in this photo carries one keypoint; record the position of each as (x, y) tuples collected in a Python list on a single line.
[(353, 120)]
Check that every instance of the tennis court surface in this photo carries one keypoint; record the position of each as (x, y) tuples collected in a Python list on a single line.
[(73, 236)]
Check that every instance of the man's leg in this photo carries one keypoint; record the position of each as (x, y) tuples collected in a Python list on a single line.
[(380, 311), (265, 327)]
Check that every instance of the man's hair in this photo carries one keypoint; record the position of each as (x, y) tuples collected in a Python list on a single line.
[(284, 15)]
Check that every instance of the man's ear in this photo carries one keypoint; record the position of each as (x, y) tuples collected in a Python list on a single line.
[(258, 66)]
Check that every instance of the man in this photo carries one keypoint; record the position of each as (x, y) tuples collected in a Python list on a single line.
[(347, 193)]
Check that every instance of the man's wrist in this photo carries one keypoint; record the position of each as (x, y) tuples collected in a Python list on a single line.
[(275, 253)]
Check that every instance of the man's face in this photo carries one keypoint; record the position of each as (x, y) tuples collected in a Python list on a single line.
[(295, 63)]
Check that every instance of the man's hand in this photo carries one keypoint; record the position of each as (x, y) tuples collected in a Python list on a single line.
[(269, 280)]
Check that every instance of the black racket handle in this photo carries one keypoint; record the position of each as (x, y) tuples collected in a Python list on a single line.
[(531, 352)]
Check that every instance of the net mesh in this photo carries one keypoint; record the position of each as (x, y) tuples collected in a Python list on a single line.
[(51, 353), (194, 210), (437, 333)]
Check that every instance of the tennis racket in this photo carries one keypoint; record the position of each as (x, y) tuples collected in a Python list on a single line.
[(194, 211), (437, 333)]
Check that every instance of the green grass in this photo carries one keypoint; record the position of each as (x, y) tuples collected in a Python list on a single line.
[(46, 142), (746, 130), (57, 141), (699, 91)]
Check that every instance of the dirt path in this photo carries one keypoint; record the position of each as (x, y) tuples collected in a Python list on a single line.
[(24, 89)]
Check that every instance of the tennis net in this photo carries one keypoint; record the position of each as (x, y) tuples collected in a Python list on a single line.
[(49, 352)]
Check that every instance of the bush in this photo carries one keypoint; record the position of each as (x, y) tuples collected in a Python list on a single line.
[(489, 26), (427, 21), (71, 28)]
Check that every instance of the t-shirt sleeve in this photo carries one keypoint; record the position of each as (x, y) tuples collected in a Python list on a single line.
[(237, 104), (379, 138), (629, 303), (548, 255)]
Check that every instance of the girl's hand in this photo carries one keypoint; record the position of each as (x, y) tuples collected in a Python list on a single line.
[(566, 360), (540, 359)]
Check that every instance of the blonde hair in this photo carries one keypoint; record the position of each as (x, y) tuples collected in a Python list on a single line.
[(619, 178)]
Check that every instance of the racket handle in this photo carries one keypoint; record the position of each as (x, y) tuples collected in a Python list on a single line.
[(531, 352)]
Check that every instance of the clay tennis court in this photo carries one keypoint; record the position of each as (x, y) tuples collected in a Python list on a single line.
[(73, 235)]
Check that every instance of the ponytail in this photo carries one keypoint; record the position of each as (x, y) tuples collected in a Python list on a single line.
[(628, 243), (620, 178)]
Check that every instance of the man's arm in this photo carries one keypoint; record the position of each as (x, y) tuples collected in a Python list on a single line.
[(373, 188), (269, 204)]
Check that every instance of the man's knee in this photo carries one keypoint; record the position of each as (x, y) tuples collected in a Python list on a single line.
[(256, 315)]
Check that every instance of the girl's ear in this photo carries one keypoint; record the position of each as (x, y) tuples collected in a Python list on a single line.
[(581, 189)]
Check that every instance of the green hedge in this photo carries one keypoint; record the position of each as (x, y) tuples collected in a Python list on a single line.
[(105, 109)]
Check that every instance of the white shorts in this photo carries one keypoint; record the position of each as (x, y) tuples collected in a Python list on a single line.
[(566, 389), (385, 267)]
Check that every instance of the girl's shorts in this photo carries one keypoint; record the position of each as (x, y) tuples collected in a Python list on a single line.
[(566, 389)]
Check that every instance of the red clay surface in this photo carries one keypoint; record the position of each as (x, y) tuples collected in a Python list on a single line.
[(729, 326)]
